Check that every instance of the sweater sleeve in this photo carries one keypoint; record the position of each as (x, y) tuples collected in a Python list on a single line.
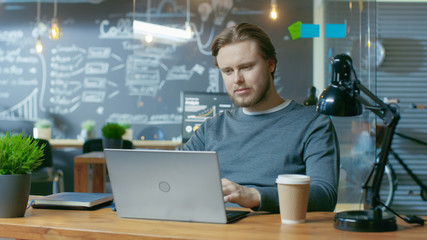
[(269, 200), (196, 142), (321, 157)]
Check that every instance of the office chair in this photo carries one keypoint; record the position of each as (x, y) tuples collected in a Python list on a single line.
[(46, 172), (92, 145)]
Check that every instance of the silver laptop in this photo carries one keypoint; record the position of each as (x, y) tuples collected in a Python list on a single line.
[(168, 185)]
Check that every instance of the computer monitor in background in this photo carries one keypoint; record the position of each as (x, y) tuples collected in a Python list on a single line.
[(198, 106)]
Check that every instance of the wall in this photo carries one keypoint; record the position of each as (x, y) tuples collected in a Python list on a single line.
[(402, 75), (98, 70)]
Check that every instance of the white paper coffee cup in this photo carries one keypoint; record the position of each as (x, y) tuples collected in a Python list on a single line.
[(293, 190)]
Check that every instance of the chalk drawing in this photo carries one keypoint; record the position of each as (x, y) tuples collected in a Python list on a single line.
[(11, 36), (123, 29), (96, 68), (179, 73), (142, 78), (94, 82), (154, 119), (93, 96), (113, 94), (213, 80), (99, 52), (24, 110)]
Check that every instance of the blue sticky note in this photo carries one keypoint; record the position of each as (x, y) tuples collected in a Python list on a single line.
[(335, 30), (309, 30)]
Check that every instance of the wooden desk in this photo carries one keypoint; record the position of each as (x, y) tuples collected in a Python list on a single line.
[(81, 163), (104, 224), (75, 143)]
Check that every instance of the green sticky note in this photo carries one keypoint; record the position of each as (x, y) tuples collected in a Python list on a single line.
[(295, 30)]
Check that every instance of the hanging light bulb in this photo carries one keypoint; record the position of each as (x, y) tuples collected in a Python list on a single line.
[(39, 45), (54, 32), (273, 13), (188, 29)]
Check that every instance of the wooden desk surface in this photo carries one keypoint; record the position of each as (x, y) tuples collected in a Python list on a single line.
[(75, 143), (104, 224)]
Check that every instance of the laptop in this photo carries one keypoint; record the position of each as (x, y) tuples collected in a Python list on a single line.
[(168, 185), (74, 200)]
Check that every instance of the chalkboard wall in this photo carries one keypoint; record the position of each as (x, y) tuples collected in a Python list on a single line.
[(98, 70)]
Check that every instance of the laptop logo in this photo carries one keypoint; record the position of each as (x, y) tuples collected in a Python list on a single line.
[(164, 186)]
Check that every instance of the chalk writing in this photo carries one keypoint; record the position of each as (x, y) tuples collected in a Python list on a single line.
[(24, 110)]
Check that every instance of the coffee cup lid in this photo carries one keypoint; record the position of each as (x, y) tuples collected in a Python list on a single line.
[(293, 179)]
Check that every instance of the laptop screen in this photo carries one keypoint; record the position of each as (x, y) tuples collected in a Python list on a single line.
[(198, 106)]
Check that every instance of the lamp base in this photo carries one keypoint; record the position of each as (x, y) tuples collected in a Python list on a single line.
[(359, 221)]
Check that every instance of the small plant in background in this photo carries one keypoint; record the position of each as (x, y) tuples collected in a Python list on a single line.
[(88, 125), (19, 155), (113, 131), (43, 123)]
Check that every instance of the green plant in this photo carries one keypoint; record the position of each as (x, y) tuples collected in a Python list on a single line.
[(19, 155), (43, 123), (88, 125), (113, 131)]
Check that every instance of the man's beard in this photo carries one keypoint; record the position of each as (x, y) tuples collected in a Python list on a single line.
[(252, 101)]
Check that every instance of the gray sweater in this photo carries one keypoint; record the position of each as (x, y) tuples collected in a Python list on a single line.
[(254, 149)]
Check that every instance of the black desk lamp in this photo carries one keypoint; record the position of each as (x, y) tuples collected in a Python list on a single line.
[(343, 98)]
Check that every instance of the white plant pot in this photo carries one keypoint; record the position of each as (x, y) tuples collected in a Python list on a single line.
[(85, 135), (42, 133), (128, 134)]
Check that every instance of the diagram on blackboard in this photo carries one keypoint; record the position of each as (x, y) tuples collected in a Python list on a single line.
[(24, 110), (79, 76)]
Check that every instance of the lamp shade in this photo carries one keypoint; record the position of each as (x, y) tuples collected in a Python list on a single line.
[(336, 101)]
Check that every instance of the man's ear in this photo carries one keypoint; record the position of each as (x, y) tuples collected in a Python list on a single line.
[(271, 65)]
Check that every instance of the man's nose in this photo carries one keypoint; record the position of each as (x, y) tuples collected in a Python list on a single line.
[(238, 78)]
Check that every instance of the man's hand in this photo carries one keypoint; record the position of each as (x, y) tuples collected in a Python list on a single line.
[(244, 196)]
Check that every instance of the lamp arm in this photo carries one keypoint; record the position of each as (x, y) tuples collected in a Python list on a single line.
[(384, 111), (390, 116)]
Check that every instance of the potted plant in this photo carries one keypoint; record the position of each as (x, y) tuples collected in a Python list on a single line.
[(18, 157), (128, 131), (87, 129), (42, 129), (112, 133)]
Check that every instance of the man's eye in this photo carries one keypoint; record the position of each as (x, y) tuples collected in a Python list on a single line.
[(228, 71)]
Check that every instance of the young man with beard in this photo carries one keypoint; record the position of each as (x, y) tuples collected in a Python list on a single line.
[(267, 135)]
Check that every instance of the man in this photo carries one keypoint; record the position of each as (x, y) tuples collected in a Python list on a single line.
[(267, 135)]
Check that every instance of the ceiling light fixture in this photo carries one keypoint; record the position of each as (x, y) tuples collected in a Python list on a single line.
[(55, 32), (39, 45), (273, 13), (187, 22), (160, 31), (150, 31)]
